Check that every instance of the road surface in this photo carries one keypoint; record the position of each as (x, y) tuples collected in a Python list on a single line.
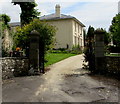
[(65, 82)]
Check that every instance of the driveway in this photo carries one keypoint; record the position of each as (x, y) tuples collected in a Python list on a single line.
[(65, 82)]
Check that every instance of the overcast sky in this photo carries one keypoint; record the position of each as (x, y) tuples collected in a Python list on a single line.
[(97, 13)]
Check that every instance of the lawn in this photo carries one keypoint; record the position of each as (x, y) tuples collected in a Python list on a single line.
[(55, 57)]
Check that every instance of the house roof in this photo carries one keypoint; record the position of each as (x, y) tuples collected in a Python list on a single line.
[(49, 18), (62, 16), (53, 16)]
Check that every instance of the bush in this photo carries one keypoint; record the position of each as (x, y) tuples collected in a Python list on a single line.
[(113, 49), (89, 50), (60, 50), (47, 32), (4, 53), (90, 58), (76, 49)]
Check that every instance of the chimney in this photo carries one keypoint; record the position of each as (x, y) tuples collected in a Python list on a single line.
[(57, 10)]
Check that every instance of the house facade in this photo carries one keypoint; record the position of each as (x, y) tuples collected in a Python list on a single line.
[(69, 29)]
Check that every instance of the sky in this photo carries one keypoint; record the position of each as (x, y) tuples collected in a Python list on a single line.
[(97, 13)]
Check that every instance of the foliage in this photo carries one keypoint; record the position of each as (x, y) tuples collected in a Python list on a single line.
[(89, 40), (89, 51), (47, 32), (76, 49), (90, 33), (28, 13), (60, 50), (113, 49), (5, 18), (4, 26), (4, 53), (115, 30), (107, 37)]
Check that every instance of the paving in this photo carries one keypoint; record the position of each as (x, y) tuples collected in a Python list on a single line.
[(66, 81)]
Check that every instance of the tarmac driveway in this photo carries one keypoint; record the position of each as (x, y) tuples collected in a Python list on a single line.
[(65, 82)]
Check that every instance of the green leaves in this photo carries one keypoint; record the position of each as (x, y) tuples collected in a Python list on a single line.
[(90, 33), (46, 31), (28, 13), (5, 18), (115, 30)]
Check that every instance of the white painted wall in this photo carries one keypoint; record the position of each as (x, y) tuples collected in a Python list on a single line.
[(66, 33), (78, 38)]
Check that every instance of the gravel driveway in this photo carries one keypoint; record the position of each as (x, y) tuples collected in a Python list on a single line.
[(65, 82)]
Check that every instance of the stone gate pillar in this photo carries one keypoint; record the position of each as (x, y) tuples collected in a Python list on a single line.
[(99, 51), (34, 50)]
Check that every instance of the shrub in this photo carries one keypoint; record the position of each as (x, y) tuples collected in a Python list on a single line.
[(89, 50), (76, 49), (113, 49), (47, 32), (4, 53)]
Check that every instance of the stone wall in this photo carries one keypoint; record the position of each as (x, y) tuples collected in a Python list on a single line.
[(14, 66), (113, 64)]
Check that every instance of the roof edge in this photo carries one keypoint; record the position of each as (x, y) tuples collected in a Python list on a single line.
[(56, 19)]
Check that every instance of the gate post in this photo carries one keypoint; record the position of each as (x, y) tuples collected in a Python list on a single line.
[(34, 50), (99, 51)]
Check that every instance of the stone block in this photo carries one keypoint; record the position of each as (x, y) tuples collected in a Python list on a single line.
[(99, 44)]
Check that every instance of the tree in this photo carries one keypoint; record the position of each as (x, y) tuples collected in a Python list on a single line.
[(4, 27), (47, 32), (28, 13), (115, 30), (90, 33), (5, 18), (89, 51), (107, 37)]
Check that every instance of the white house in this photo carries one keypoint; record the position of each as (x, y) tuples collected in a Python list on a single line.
[(69, 29)]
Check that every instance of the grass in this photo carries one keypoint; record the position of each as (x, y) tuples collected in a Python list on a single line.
[(56, 57)]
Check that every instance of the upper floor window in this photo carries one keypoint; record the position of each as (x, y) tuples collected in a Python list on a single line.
[(75, 27), (78, 28)]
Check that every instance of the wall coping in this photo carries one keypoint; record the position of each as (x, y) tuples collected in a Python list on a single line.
[(113, 56)]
